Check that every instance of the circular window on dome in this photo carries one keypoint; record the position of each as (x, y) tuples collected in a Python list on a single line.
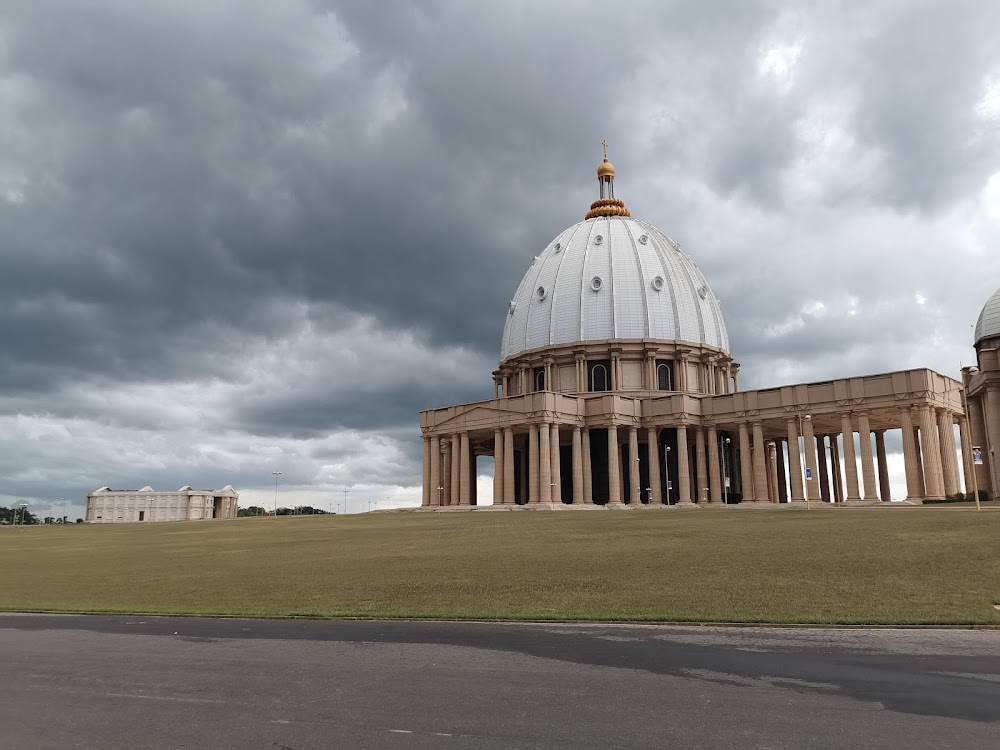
[(657, 283), (643, 239), (596, 283), (598, 239), (542, 294), (558, 247)]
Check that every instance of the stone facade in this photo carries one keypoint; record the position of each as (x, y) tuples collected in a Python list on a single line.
[(646, 422)]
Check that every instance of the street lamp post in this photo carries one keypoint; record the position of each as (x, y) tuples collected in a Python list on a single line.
[(345, 502), (276, 475), (968, 435), (666, 469), (802, 460), (723, 444), (24, 508)]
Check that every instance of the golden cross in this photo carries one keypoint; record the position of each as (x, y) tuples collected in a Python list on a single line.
[(605, 144)]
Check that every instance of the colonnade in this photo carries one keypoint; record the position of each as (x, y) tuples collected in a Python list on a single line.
[(711, 462)]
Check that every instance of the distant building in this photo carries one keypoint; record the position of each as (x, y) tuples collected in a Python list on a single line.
[(106, 505)]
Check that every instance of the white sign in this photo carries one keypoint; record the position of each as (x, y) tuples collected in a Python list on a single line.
[(977, 455)]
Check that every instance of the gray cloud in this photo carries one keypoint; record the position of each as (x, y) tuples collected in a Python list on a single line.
[(240, 235)]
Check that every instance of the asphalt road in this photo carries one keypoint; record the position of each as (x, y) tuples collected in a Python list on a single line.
[(149, 682)]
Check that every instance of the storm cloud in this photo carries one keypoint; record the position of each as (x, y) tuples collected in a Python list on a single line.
[(238, 237)]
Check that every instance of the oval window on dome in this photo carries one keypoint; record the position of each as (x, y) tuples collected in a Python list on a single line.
[(510, 307), (542, 294), (598, 239), (702, 291), (596, 283), (558, 247), (657, 283), (643, 239)]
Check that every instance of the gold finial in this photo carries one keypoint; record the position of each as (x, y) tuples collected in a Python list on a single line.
[(607, 205), (605, 172)]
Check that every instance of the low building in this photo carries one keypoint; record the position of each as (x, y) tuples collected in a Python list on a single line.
[(106, 505)]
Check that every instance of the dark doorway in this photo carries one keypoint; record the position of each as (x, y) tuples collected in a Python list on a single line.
[(142, 515), (599, 465), (668, 466)]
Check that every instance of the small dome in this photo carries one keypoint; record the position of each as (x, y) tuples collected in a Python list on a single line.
[(612, 277), (988, 324), (607, 169)]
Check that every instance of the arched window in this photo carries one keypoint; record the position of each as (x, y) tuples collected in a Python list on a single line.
[(664, 379), (540, 379), (599, 378)]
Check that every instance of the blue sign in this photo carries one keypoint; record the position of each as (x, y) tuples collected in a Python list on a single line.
[(809, 473), (670, 485)]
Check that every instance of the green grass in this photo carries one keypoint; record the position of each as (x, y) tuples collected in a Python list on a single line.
[(866, 565)]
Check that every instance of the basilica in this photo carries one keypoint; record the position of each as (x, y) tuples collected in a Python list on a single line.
[(617, 389)]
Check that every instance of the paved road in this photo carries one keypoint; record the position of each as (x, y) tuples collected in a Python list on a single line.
[(131, 682)]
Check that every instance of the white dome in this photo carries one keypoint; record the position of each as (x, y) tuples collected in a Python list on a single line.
[(612, 277), (988, 324)]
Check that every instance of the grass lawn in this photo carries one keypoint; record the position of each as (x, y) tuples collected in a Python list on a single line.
[(827, 565)]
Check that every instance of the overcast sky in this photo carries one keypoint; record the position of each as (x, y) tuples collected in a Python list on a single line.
[(239, 236)]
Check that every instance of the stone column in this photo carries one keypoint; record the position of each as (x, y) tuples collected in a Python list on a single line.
[(653, 445), (498, 466), (465, 480), (991, 412), (556, 464), (683, 467), (795, 461), (614, 467), (885, 492), (533, 496), (977, 428), (780, 481), (426, 498), (921, 480), (949, 456), (508, 466), (577, 466), (914, 485), (714, 474), (838, 477), (588, 476), (450, 451), (635, 492), (850, 458), (435, 472), (867, 460), (967, 466), (453, 476), (701, 465), (615, 382), (682, 373), (746, 464), (759, 464), (473, 476), (544, 465), (931, 453), (824, 472)]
